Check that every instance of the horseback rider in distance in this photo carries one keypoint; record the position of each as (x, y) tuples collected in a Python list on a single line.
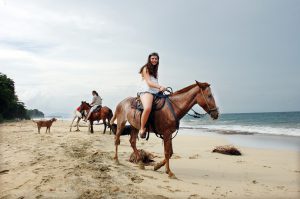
[(149, 87), (97, 101)]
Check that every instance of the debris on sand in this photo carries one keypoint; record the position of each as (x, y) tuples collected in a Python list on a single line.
[(146, 157), (227, 149)]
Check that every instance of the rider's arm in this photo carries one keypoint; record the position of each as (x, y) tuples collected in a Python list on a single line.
[(93, 101), (146, 76)]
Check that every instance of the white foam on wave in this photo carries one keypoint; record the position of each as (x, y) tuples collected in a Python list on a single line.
[(248, 129)]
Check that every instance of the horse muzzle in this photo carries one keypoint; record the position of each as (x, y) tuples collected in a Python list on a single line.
[(214, 113)]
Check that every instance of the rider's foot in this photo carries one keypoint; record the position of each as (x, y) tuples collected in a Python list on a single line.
[(142, 133)]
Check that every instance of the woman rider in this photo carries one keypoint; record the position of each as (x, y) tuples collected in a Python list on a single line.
[(149, 87), (97, 101)]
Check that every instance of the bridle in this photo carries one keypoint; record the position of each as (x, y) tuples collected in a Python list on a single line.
[(209, 111), (169, 91)]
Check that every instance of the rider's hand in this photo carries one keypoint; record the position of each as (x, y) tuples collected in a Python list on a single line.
[(162, 89)]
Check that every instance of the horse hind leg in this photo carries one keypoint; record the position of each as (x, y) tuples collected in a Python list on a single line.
[(77, 123), (104, 122), (120, 128), (72, 123), (159, 165)]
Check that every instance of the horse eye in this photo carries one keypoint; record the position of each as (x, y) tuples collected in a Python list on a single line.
[(209, 96)]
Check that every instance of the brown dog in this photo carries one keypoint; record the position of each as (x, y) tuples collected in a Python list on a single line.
[(43, 123)]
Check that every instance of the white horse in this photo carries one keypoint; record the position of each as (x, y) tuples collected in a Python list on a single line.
[(79, 115)]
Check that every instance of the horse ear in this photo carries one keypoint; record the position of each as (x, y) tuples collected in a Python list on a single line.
[(202, 85)]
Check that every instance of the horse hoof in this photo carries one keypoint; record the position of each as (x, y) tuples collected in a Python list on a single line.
[(117, 162), (156, 167), (77, 130), (173, 177), (141, 166)]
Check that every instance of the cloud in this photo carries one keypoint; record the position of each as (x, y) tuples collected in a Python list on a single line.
[(58, 52)]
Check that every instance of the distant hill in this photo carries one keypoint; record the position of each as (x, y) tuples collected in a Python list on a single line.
[(35, 113)]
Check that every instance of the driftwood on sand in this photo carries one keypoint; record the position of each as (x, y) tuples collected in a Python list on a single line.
[(227, 149), (146, 157)]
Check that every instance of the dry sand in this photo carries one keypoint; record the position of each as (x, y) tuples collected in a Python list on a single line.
[(65, 164)]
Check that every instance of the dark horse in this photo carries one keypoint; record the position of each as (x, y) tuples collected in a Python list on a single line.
[(165, 119), (105, 114)]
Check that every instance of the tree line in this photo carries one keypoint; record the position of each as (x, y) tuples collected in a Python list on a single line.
[(10, 106)]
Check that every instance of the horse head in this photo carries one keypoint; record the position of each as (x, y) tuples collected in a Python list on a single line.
[(206, 100), (84, 105)]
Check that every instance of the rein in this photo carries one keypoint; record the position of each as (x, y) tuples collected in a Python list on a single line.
[(195, 114), (209, 110)]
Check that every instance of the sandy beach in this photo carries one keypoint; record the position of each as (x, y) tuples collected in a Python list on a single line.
[(63, 164)]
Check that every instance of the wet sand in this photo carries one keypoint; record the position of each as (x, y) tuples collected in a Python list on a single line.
[(65, 164)]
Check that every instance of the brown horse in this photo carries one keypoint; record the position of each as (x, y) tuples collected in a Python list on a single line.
[(166, 119), (105, 114)]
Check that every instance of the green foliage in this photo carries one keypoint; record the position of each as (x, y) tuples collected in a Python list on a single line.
[(10, 106)]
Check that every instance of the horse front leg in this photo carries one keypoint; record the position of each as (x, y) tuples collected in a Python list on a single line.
[(91, 126), (132, 140), (168, 153)]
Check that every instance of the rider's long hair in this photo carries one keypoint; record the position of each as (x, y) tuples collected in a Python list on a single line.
[(95, 92), (152, 69)]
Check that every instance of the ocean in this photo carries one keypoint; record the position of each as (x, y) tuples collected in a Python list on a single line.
[(274, 123)]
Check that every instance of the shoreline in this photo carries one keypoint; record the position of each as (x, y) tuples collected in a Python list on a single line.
[(255, 140)]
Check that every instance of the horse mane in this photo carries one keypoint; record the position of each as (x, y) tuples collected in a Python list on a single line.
[(183, 90)]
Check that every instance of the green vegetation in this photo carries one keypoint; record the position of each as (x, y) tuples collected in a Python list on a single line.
[(10, 106)]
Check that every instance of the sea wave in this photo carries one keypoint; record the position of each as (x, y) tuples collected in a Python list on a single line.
[(247, 130)]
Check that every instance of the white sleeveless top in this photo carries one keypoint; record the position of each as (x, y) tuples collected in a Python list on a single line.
[(97, 100), (146, 88)]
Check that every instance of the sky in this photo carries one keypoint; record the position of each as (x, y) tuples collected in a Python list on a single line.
[(57, 52)]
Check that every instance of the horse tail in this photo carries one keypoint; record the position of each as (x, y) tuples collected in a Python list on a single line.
[(112, 118)]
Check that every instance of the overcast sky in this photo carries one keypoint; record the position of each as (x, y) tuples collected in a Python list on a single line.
[(57, 52)]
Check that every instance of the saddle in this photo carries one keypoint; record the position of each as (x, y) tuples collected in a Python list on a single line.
[(97, 109), (159, 101), (157, 104)]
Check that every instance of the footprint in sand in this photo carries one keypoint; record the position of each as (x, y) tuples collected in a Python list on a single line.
[(267, 166), (194, 196), (169, 189), (151, 177), (134, 178), (175, 156), (196, 156), (4, 171), (280, 187)]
